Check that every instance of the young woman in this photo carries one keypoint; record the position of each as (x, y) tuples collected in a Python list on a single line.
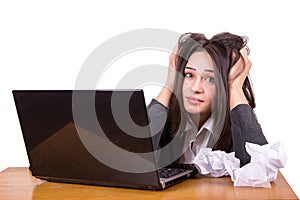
[(207, 100)]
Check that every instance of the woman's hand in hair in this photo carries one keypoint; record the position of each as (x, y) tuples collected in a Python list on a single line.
[(236, 78), (172, 70), (166, 92), (239, 70)]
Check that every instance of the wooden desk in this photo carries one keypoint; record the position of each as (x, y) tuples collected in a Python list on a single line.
[(17, 183)]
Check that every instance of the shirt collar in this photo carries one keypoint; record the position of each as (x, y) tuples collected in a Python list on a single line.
[(190, 125), (208, 124)]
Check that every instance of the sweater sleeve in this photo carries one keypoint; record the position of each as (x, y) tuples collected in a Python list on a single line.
[(157, 114), (245, 128)]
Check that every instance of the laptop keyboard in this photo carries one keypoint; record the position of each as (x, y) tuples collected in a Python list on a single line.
[(169, 172)]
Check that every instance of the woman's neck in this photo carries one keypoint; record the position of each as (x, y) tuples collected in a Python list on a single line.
[(199, 119)]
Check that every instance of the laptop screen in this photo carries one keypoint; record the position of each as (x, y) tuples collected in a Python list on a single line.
[(85, 136)]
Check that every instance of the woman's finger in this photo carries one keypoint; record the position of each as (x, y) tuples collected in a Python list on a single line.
[(244, 52)]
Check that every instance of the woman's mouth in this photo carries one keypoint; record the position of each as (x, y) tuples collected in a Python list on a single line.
[(194, 101)]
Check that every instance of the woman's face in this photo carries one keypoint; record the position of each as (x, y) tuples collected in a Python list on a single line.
[(198, 89)]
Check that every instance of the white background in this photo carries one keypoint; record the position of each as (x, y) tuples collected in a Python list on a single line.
[(44, 44)]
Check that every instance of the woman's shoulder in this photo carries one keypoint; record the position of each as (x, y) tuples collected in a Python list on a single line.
[(242, 109), (156, 104)]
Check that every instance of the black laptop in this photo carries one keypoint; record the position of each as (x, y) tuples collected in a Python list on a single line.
[(97, 137)]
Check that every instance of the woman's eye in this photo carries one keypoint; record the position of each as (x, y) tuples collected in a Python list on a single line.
[(188, 75), (209, 79)]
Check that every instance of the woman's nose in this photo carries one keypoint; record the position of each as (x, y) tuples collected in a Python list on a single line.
[(197, 85)]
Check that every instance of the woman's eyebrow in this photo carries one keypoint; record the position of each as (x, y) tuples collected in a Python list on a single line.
[(209, 70), (191, 68), (206, 70)]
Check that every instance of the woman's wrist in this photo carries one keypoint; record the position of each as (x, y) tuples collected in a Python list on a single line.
[(236, 97), (164, 96)]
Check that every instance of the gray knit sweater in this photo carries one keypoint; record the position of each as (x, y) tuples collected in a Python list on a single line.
[(244, 128)]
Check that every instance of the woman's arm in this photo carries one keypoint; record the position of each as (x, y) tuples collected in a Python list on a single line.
[(166, 92), (158, 109), (245, 128), (157, 114), (236, 78), (244, 124)]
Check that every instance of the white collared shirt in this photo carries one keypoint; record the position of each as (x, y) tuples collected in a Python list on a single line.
[(196, 139)]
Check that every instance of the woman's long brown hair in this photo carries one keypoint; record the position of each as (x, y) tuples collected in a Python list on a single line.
[(221, 48)]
